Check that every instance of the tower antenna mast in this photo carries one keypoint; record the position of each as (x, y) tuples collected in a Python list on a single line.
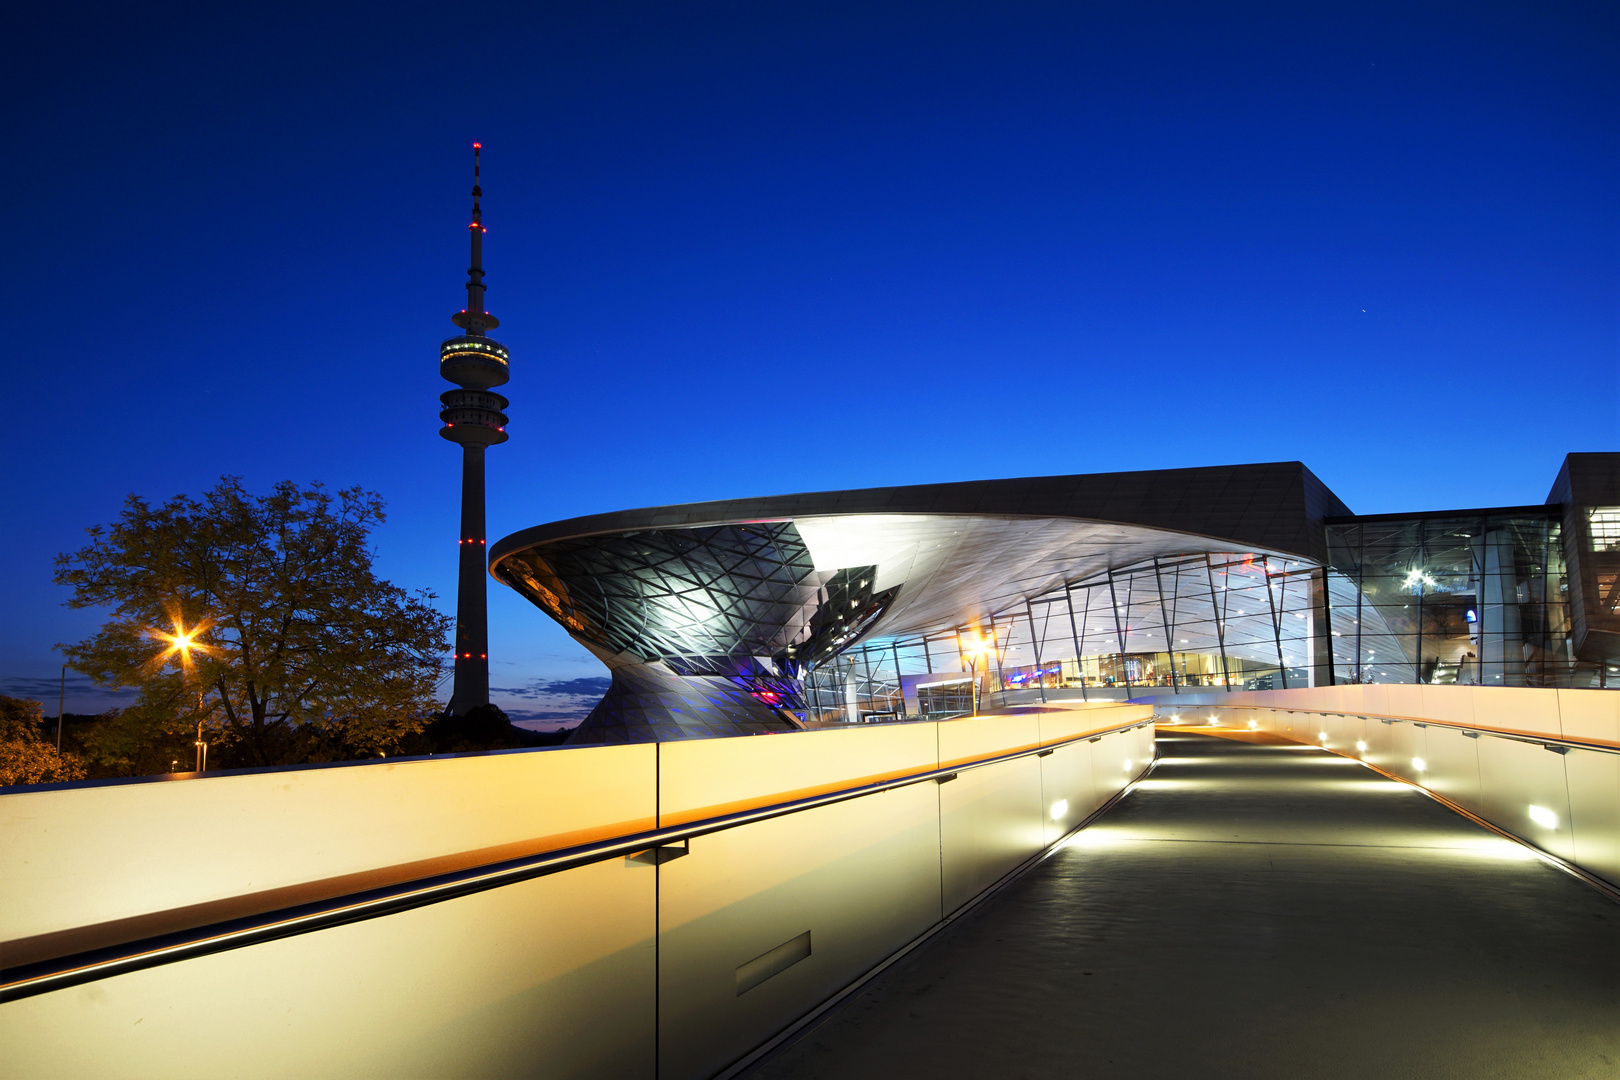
[(473, 417)]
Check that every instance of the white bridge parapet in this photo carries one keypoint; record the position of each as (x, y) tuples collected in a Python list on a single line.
[(1542, 765), (619, 911)]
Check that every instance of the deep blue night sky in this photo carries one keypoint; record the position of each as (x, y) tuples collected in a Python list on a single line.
[(756, 248)]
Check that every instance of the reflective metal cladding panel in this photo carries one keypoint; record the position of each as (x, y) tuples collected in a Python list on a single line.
[(731, 599), (708, 629)]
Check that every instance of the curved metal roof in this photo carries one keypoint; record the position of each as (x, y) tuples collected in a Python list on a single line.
[(1276, 506), (938, 554), (732, 601)]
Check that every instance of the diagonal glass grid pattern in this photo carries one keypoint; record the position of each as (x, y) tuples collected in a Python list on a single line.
[(739, 603)]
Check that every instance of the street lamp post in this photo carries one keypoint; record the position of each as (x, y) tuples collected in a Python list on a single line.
[(181, 642), (976, 648), (202, 747), (61, 717)]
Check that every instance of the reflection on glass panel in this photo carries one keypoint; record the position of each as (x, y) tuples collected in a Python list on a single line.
[(1605, 525), (1197, 622), (1470, 599), (1476, 599)]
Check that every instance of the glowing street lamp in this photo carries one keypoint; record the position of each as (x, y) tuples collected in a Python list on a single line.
[(181, 643)]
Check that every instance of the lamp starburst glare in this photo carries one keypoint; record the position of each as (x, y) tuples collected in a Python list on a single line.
[(181, 642)]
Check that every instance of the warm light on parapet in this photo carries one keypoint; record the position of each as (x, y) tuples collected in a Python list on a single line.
[(1543, 817)]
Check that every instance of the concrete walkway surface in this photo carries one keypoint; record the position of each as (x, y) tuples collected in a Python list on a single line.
[(1253, 910)]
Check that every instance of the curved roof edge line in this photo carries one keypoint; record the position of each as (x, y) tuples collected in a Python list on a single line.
[(519, 541), (1149, 498)]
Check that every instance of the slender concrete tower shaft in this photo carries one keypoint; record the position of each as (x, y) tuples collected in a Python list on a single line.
[(473, 417)]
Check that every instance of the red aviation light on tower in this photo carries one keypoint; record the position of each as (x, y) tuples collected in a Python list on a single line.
[(477, 192), (475, 361), (473, 417)]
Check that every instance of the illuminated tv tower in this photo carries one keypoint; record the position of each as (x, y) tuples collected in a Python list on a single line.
[(474, 418)]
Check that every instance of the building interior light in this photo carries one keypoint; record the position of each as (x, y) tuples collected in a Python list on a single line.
[(1060, 808), (1544, 817), (1254, 725), (1127, 764), (1419, 579), (1361, 746), (1419, 764)]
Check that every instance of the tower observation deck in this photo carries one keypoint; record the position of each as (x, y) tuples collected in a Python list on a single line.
[(473, 416)]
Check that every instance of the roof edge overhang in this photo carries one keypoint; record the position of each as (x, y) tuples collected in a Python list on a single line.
[(1205, 542), (1537, 510), (1032, 497)]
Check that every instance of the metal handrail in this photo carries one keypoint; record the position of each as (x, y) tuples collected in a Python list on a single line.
[(76, 968), (1498, 733)]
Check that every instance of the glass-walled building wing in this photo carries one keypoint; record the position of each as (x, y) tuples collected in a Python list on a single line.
[(1471, 598), (1179, 622), (1475, 598)]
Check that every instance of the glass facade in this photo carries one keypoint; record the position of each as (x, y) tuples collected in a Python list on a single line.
[(1476, 598), (1604, 523), (1196, 622), (1470, 598)]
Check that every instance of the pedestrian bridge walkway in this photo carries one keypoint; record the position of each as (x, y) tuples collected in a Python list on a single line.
[(1352, 881), (1254, 908)]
